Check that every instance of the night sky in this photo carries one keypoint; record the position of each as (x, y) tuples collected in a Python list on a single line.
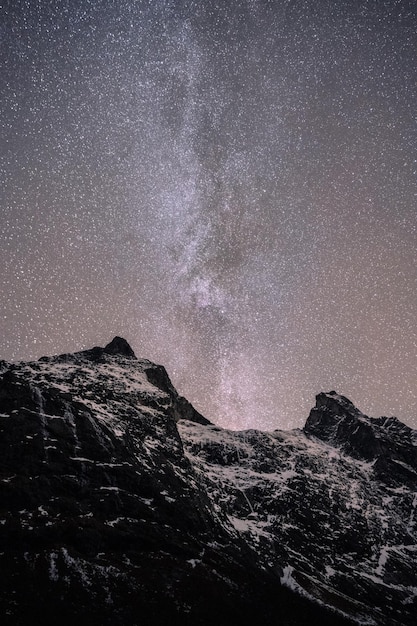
[(229, 185)]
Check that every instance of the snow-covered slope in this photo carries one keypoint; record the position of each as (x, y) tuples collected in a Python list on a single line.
[(121, 504), (343, 531)]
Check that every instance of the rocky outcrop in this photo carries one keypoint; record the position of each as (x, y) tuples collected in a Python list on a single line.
[(119, 346), (387, 442), (338, 522), (121, 504)]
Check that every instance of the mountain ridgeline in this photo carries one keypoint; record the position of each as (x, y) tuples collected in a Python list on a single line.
[(121, 504)]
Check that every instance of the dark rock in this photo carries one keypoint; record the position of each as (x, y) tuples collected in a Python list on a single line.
[(121, 504), (182, 409), (333, 502), (158, 376), (384, 440), (332, 417), (119, 346), (336, 420)]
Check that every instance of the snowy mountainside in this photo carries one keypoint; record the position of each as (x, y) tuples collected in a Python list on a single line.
[(341, 534), (121, 504)]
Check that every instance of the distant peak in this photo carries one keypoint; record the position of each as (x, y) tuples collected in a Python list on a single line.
[(119, 346), (336, 402), (328, 419)]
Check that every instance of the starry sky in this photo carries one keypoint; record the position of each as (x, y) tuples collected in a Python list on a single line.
[(231, 186)]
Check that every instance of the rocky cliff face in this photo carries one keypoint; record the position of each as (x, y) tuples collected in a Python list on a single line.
[(121, 504)]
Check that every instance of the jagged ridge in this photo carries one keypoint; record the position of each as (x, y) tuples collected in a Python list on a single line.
[(122, 503)]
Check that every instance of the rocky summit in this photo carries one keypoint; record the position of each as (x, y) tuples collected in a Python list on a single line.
[(121, 504)]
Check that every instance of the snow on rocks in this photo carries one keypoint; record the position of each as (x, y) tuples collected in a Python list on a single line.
[(98, 447), (301, 499)]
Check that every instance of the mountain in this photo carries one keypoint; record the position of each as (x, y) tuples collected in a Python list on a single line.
[(121, 504)]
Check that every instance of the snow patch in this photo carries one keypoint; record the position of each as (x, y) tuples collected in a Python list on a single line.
[(383, 557), (287, 579), (53, 570)]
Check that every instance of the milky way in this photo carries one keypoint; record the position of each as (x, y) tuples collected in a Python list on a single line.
[(231, 186)]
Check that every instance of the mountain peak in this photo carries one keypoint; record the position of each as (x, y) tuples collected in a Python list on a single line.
[(338, 404), (107, 475), (385, 440), (331, 411), (119, 346)]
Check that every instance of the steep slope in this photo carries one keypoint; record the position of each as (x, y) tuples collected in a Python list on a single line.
[(121, 504), (102, 518), (334, 505)]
